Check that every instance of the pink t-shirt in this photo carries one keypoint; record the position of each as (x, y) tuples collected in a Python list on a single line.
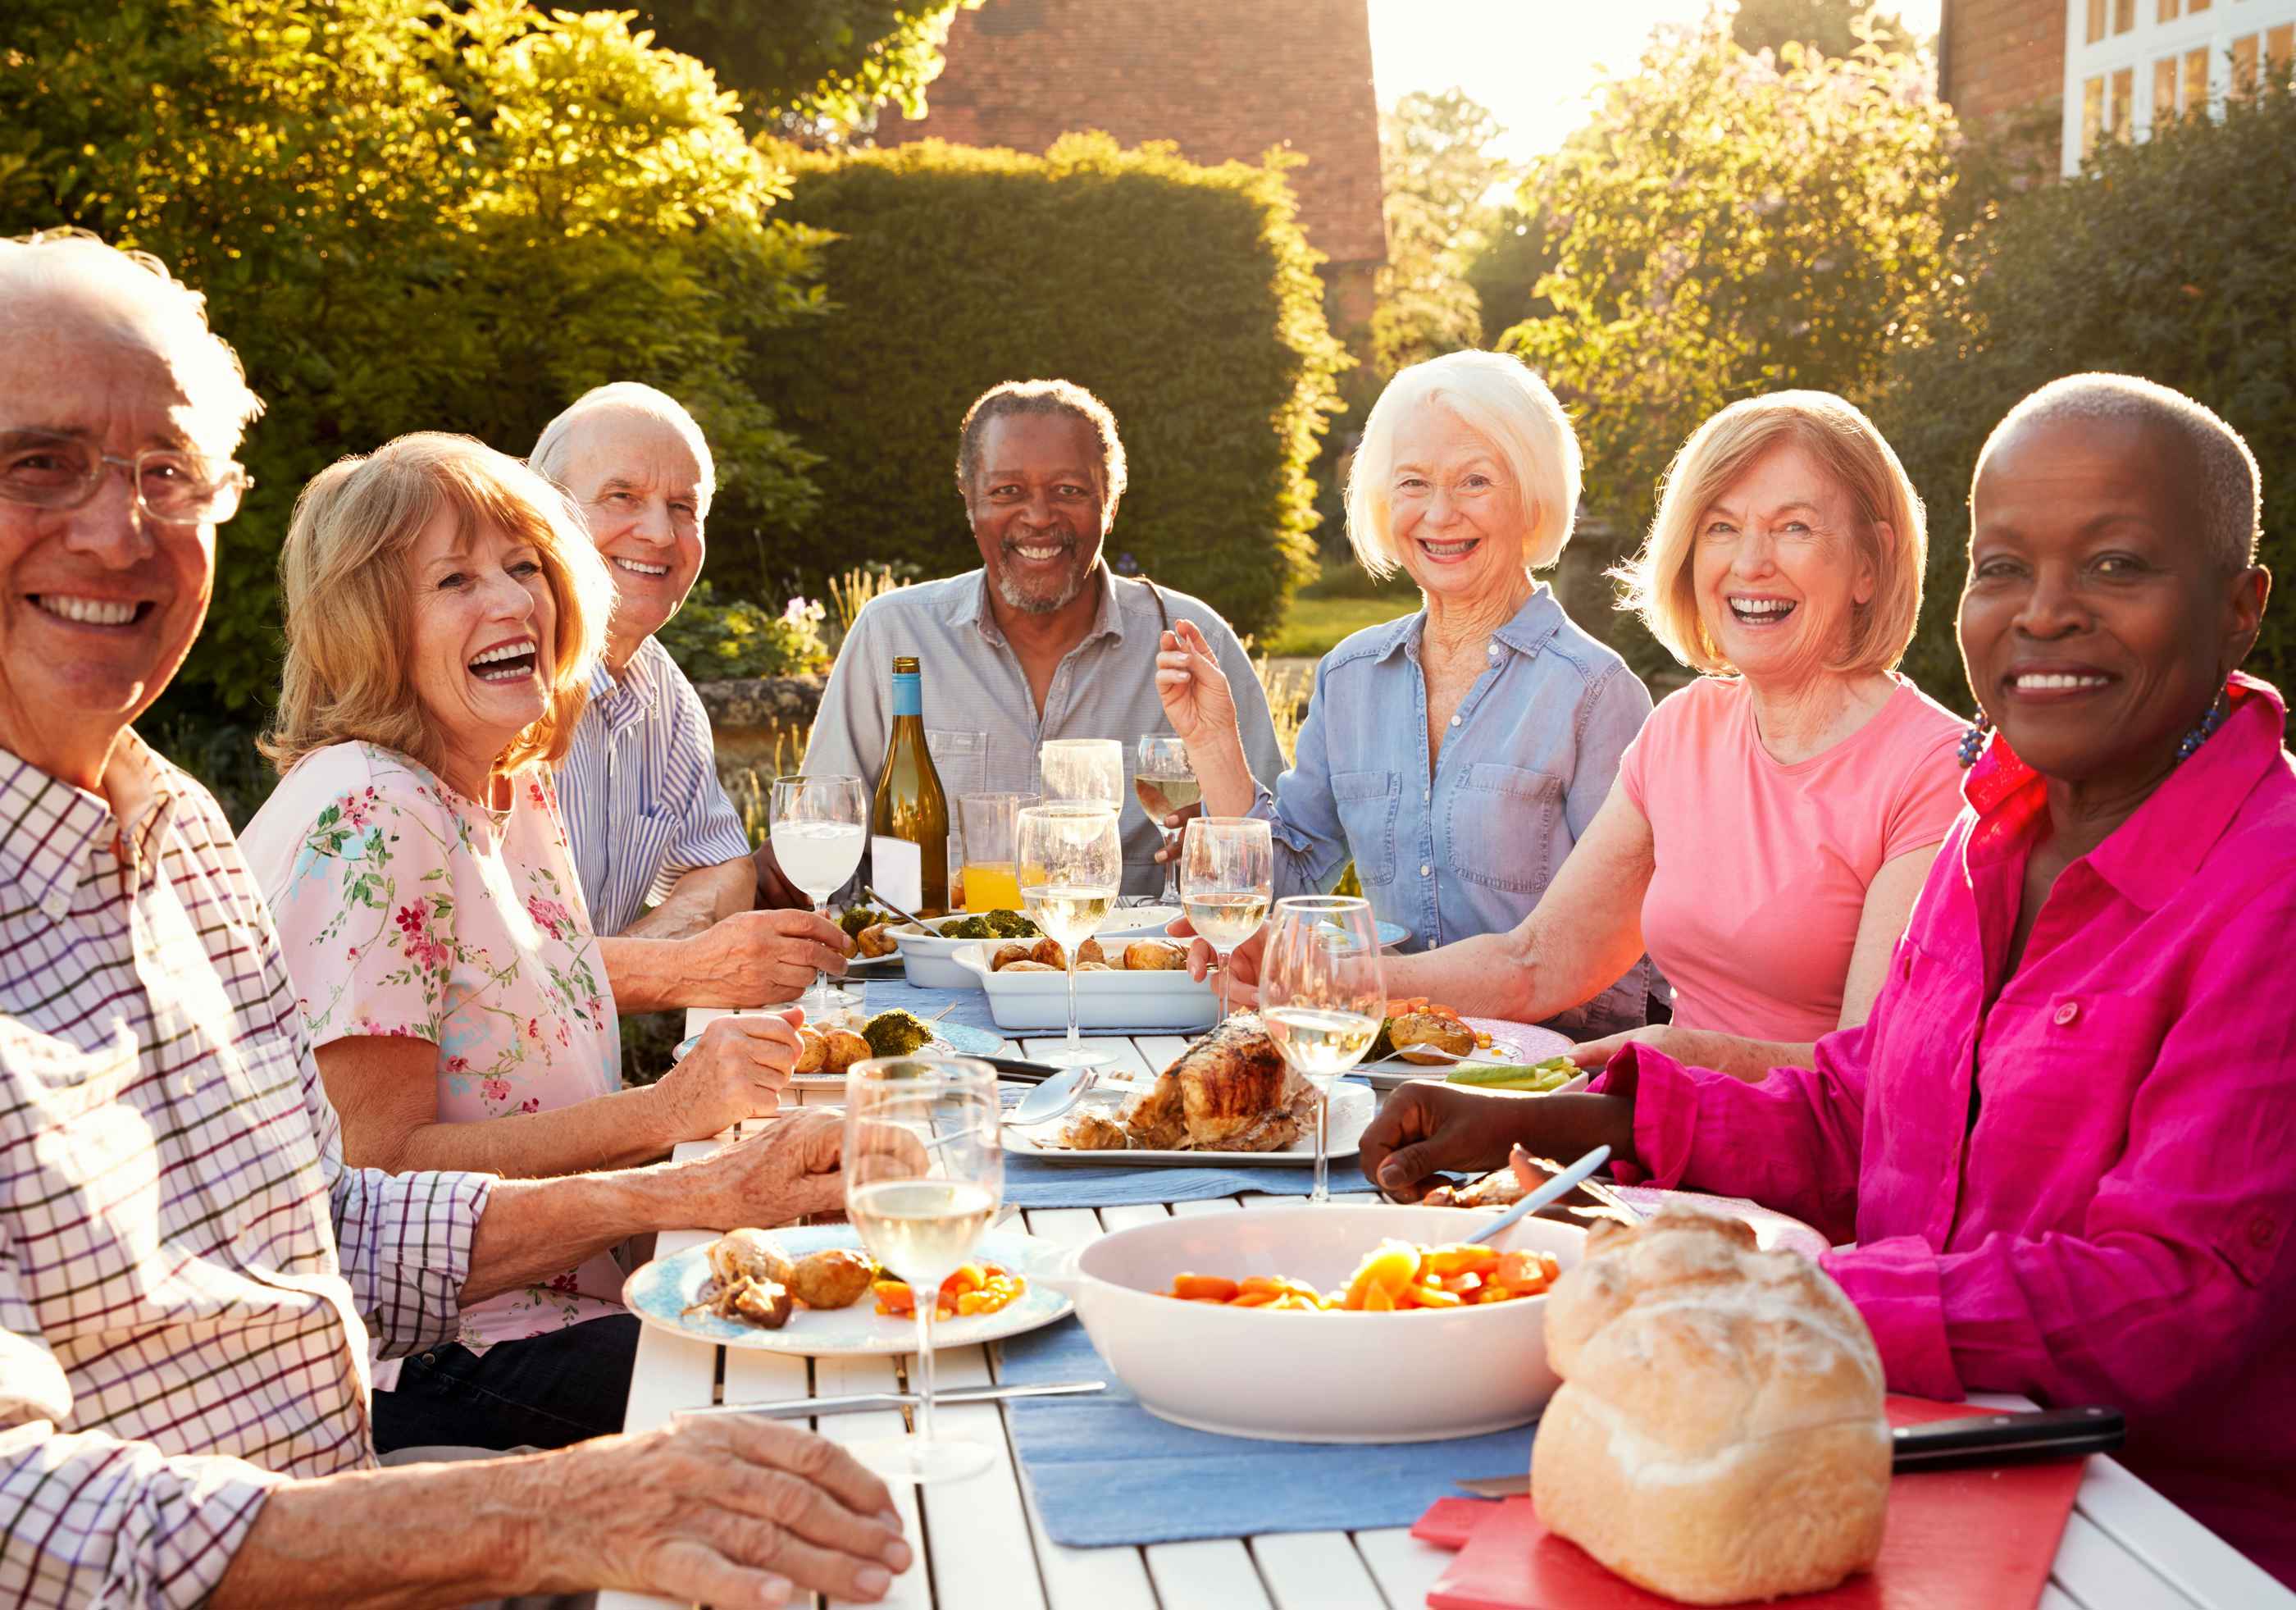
[(1762, 868)]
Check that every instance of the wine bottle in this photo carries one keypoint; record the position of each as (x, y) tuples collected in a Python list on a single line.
[(908, 822)]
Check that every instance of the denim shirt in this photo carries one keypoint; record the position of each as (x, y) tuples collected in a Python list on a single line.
[(1530, 757)]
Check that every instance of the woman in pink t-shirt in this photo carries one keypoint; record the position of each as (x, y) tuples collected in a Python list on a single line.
[(1773, 822)]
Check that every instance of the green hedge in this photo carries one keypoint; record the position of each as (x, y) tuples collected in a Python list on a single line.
[(2170, 259), (1184, 296)]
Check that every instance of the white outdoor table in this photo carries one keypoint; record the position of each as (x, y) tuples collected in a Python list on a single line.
[(981, 1547)]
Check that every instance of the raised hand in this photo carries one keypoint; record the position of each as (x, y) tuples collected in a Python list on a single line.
[(1195, 691)]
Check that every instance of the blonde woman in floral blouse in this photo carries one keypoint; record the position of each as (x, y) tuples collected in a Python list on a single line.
[(444, 608)]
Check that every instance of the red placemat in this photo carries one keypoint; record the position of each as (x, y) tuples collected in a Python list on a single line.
[(1958, 1540)]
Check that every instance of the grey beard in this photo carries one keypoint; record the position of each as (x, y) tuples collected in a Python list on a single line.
[(1029, 604)]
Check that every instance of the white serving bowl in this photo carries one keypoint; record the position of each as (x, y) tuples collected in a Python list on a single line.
[(1417, 1376), (930, 961), (1167, 1002)]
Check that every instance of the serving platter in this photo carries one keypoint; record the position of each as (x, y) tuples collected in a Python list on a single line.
[(1511, 1043), (659, 1292), (948, 1039), (1352, 1107), (1162, 1002)]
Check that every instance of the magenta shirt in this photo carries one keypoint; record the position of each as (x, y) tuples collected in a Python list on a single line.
[(2114, 1227)]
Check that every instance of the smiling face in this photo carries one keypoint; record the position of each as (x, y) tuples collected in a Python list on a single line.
[(98, 604), (1777, 568), (1038, 509), (2097, 624), (639, 489), (478, 644), (1455, 517)]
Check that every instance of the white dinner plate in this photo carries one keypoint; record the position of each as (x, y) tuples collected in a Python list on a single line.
[(658, 1293), (1511, 1042), (948, 1039), (1352, 1107)]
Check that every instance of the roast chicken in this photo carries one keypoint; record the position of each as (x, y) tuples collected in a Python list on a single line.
[(1230, 1091)]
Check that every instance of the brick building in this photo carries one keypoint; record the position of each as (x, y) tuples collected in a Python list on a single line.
[(1222, 79), (2114, 68)]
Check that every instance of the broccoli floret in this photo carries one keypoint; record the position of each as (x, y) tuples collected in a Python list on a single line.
[(896, 1034), (1010, 924), (968, 928), (855, 918)]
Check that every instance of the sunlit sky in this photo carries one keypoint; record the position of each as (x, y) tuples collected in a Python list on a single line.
[(1532, 61)]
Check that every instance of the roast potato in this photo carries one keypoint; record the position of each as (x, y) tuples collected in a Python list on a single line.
[(1031, 967), (1049, 953), (1094, 968), (1006, 954), (1153, 955), (812, 1051), (832, 1278), (876, 940), (1431, 1029), (843, 1048)]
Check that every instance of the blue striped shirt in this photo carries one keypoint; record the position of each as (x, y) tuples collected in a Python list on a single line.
[(640, 792)]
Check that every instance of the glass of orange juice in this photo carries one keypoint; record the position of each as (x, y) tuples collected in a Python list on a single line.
[(987, 821)]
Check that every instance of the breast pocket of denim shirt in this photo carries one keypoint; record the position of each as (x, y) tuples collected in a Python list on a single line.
[(1366, 803), (1501, 827)]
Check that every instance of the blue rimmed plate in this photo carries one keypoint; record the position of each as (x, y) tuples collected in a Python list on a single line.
[(659, 1293)]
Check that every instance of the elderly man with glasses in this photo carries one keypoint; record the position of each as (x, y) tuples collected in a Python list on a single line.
[(646, 816), (189, 1274)]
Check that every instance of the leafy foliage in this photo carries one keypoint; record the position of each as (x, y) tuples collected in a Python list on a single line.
[(1838, 27), (820, 65), (1437, 177), (407, 215), (2168, 259), (712, 641), (1186, 297), (1728, 226)]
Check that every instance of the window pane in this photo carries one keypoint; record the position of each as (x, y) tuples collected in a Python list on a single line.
[(2279, 46), (2164, 90), (2092, 115), (2168, 10), (2124, 15), (2124, 103), (2095, 20), (2196, 81), (2243, 66)]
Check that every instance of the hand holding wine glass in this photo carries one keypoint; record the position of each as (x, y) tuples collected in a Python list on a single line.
[(924, 1174), (819, 827), (1071, 864), (1322, 996), (1227, 874)]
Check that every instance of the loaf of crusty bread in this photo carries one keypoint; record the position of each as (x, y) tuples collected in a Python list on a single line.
[(1718, 1434)]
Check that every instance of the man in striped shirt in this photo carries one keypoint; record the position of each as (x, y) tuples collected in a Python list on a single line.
[(646, 814), (189, 1274)]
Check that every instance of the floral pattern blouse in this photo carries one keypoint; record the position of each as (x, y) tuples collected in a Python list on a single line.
[(405, 908)]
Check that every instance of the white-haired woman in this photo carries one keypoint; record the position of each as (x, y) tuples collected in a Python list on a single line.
[(1454, 756), (444, 608), (1774, 821)]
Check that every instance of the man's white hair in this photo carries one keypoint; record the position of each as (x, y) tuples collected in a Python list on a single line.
[(133, 299), (2225, 473), (554, 446)]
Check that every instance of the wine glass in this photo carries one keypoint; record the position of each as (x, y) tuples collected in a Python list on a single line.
[(924, 1174), (1085, 769), (1322, 997), (1071, 864), (1166, 783), (1227, 874), (819, 827)]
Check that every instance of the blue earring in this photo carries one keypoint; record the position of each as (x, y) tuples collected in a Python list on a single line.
[(2200, 735), (1972, 741)]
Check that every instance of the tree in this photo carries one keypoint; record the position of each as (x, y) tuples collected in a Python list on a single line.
[(1836, 27), (812, 65), (1728, 227), (407, 216), (1438, 179)]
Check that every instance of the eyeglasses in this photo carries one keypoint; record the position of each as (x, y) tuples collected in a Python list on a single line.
[(51, 471)]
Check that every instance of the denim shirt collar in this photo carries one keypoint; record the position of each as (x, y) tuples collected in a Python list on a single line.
[(1525, 632)]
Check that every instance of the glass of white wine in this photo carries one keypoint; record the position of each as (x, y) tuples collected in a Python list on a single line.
[(1071, 864), (1166, 783), (924, 1174), (1227, 876), (1086, 770), (819, 825), (1322, 997)]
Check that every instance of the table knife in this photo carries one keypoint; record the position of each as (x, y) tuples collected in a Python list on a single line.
[(1967, 1444), (806, 1408)]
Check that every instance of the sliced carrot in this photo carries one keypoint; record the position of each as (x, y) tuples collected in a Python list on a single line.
[(1207, 1285)]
